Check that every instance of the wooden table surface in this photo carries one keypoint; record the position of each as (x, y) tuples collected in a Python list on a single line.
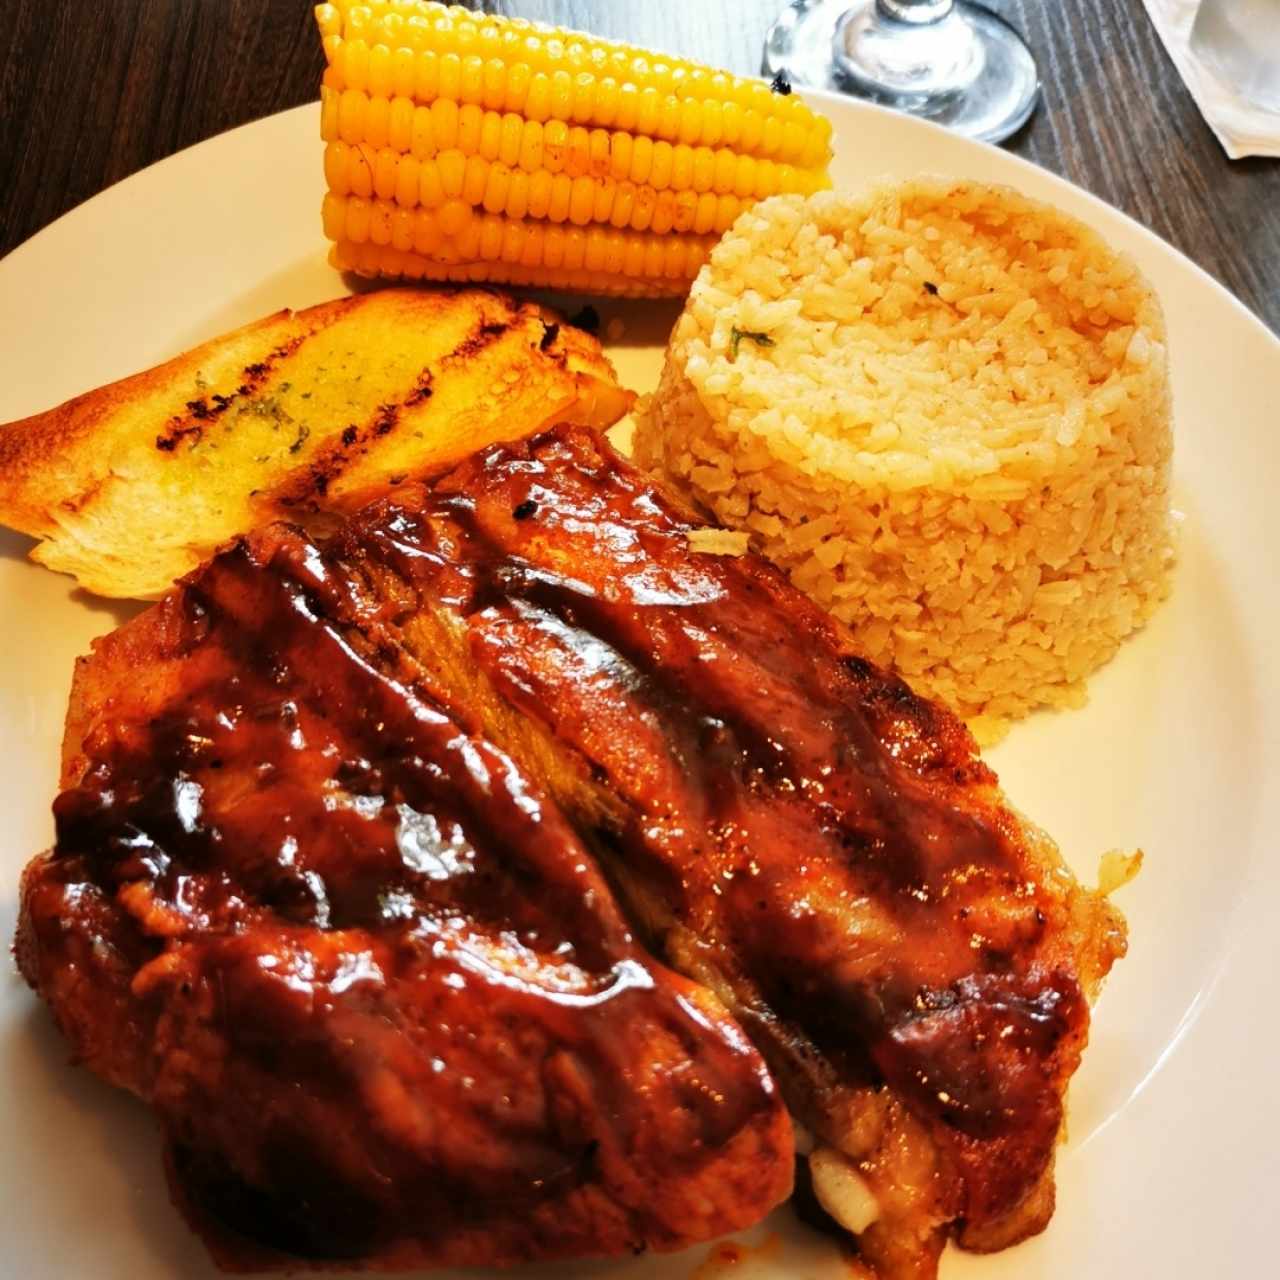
[(90, 93)]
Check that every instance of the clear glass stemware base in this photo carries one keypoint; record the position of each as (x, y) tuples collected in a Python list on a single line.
[(951, 61)]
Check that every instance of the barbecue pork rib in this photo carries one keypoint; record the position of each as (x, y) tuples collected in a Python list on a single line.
[(378, 992), (788, 824), (298, 815)]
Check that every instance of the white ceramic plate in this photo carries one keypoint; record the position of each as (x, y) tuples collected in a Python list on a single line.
[(1172, 1163)]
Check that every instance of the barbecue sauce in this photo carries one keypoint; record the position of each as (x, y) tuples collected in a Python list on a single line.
[(806, 818), (422, 1015)]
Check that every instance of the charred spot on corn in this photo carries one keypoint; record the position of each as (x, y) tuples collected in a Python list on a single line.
[(781, 83), (738, 336)]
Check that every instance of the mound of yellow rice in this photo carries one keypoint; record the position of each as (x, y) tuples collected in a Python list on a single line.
[(944, 409)]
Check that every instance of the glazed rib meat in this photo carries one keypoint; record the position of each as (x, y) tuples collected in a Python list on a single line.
[(374, 985), (791, 826), (355, 836)]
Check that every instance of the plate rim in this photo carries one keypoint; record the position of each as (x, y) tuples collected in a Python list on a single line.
[(1229, 958)]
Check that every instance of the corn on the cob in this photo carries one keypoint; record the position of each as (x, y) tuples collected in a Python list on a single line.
[(466, 146)]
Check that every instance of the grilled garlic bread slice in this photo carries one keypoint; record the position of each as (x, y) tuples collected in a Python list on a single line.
[(303, 415)]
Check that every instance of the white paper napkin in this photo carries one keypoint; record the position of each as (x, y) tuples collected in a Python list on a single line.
[(1243, 129)]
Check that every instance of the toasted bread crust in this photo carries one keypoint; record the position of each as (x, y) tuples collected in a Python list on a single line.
[(301, 414)]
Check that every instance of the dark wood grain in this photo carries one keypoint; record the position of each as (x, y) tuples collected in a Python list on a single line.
[(90, 93)]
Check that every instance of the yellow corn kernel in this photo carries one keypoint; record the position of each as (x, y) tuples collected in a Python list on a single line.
[(555, 145), (509, 143), (422, 135), (553, 247), (471, 84), (450, 77), (357, 221), (561, 95), (641, 160), (539, 193), (596, 250), (533, 250), (518, 195), (495, 87), (453, 171), (408, 182), (633, 258), (628, 107), (380, 71), (664, 211), (329, 101), (333, 216), (582, 201), (426, 232), (606, 101), (453, 217), (575, 249), (704, 217), (620, 156), (402, 229), (402, 69), (731, 123), (512, 242), (685, 211), (444, 123), (578, 152), (531, 147), (647, 112), (360, 171), (660, 173), (474, 180), (538, 104), (329, 19), (426, 78), (351, 113), (646, 200), (335, 168), (770, 179), (491, 234), (561, 195), (353, 65), (430, 186), (400, 124), (470, 119), (604, 192), (599, 162), (496, 187), (380, 214), (518, 79), (385, 174)]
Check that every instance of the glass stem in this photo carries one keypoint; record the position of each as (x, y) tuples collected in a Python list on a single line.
[(917, 12)]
